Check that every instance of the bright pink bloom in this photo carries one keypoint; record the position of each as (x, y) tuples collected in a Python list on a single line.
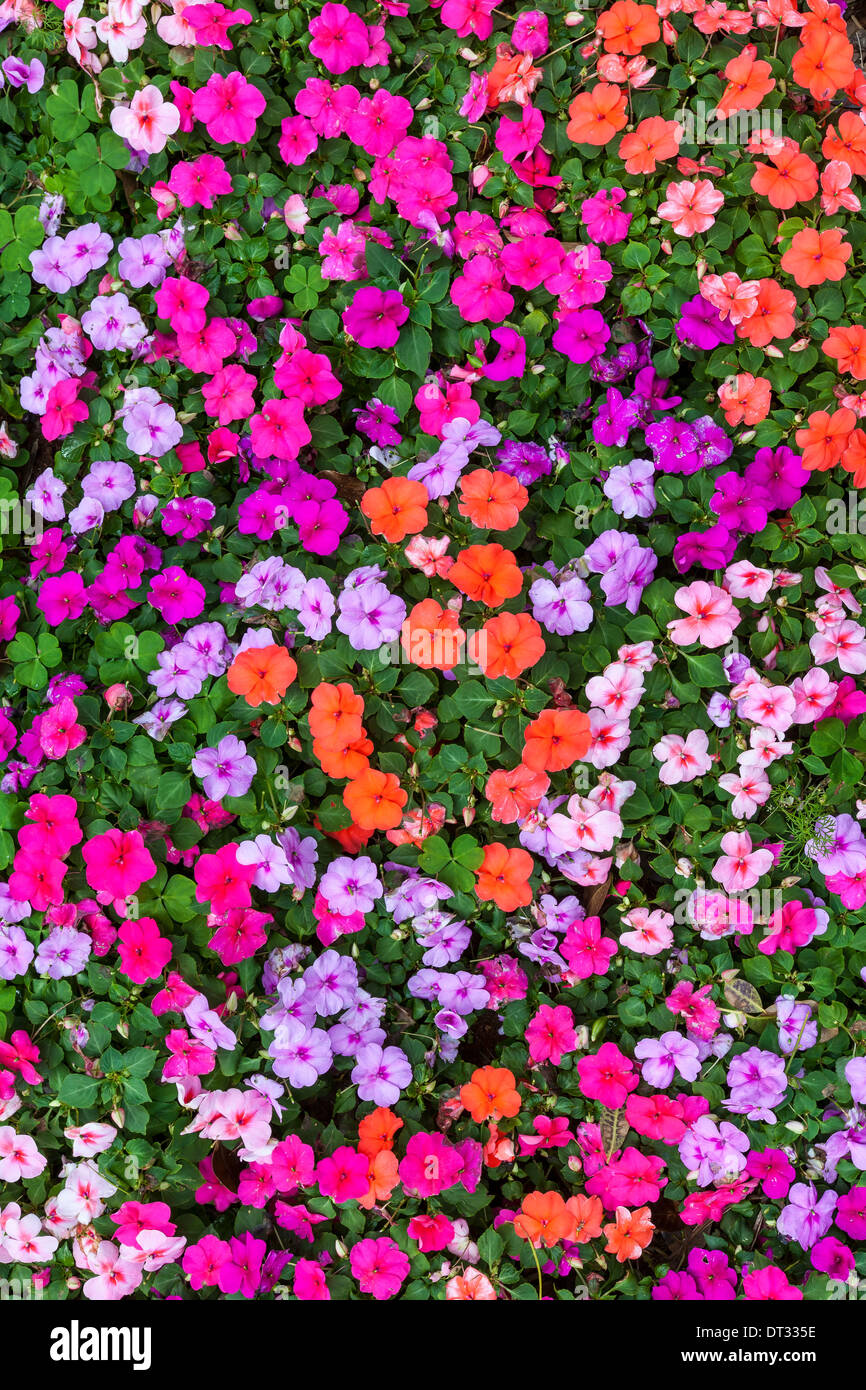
[(550, 1034), (229, 107), (118, 863), (380, 1266), (144, 954), (607, 1075)]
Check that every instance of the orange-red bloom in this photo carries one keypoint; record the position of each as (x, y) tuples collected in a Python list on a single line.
[(514, 793), (556, 739), (790, 177), (490, 1094), (848, 346), (849, 144), (492, 501), (627, 27), (596, 116), (823, 64), (431, 636), (817, 256), (544, 1219), (749, 81), (487, 574), (587, 1213), (652, 140), (630, 1234), (824, 438), (503, 877), (745, 399), (397, 509), (376, 1131), (375, 800), (507, 645), (262, 675), (336, 711), (773, 316)]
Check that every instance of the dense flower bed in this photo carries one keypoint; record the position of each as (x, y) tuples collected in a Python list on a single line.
[(432, 717)]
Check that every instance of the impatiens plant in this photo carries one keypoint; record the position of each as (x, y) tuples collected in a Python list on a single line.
[(432, 713)]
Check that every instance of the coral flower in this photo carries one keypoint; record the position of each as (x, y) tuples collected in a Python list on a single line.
[(544, 1219), (507, 645), (596, 116), (556, 739), (262, 675), (817, 256), (432, 637), (490, 1095), (847, 345), (492, 501), (749, 81), (335, 712), (396, 509), (823, 64), (824, 438), (513, 794), (745, 399), (587, 1213), (790, 177), (470, 1286), (630, 1234), (487, 574), (375, 800), (773, 316), (503, 877), (627, 27), (654, 139), (849, 145), (691, 207), (377, 1130)]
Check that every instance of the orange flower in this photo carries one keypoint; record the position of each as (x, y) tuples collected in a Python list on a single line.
[(336, 712), (653, 139), (507, 645), (384, 1175), (492, 501), (630, 1234), (773, 316), (745, 399), (544, 1219), (513, 794), (512, 78), (375, 800), (556, 739), (587, 1213), (854, 458), (490, 1094), (431, 636), (487, 574), (791, 177), (596, 116), (342, 757), (825, 437), (262, 675), (376, 1131), (850, 143), (627, 27), (817, 256), (470, 1287), (749, 81), (823, 63), (397, 509), (848, 347), (503, 877)]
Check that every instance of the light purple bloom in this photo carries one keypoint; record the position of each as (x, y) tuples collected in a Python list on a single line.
[(351, 885), (381, 1074), (64, 951), (227, 770)]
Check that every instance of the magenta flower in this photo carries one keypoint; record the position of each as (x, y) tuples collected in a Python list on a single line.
[(374, 317)]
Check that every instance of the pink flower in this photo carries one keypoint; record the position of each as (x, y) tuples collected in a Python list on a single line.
[(309, 1282), (59, 731), (222, 880), (63, 597), (607, 1076), (550, 1034), (115, 1277), (147, 122), (339, 38), (182, 302), (380, 1266), (374, 317), (144, 954), (650, 932), (769, 1284), (431, 1165), (343, 1176), (118, 863), (711, 615), (740, 867), (431, 1233), (19, 1156), (478, 292), (586, 950), (683, 757), (229, 107), (691, 207)]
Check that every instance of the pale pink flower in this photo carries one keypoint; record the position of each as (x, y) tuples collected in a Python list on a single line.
[(90, 1139), (844, 642), (617, 690), (19, 1156), (24, 1243), (691, 207), (683, 757), (650, 931), (772, 706), (711, 615), (740, 866), (147, 122), (114, 1277), (745, 580), (750, 789), (814, 692)]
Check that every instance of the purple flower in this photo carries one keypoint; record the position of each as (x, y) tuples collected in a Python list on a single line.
[(740, 504), (758, 1083), (351, 885), (300, 1055), (64, 951), (630, 489), (463, 992), (798, 1029), (151, 429), (562, 606), (143, 261), (615, 419), (16, 950), (807, 1217), (45, 496), (370, 616), (20, 74), (301, 856), (110, 484), (381, 1074), (701, 326), (112, 323), (525, 462), (716, 1152), (316, 609), (330, 983), (780, 474), (712, 549), (227, 770), (377, 421), (663, 1058)]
